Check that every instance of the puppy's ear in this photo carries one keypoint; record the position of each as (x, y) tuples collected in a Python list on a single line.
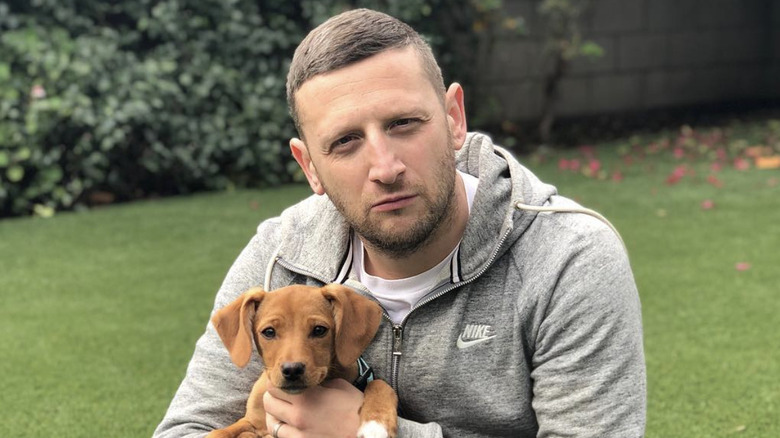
[(357, 319), (234, 325)]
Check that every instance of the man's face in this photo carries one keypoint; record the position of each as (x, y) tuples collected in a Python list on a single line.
[(380, 143)]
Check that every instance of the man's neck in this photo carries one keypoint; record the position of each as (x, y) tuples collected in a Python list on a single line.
[(441, 244)]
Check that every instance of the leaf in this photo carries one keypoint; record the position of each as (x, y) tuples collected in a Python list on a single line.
[(15, 173), (23, 154), (43, 211), (5, 72), (589, 49)]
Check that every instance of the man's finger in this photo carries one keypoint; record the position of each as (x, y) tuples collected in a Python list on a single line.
[(280, 395), (280, 429), (276, 409)]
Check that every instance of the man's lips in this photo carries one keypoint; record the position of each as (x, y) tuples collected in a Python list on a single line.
[(393, 203)]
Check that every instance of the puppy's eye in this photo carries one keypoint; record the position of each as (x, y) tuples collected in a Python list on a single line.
[(268, 333), (319, 331)]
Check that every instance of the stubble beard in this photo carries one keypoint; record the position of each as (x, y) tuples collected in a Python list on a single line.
[(439, 214)]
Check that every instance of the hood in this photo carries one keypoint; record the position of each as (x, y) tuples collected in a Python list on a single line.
[(503, 182)]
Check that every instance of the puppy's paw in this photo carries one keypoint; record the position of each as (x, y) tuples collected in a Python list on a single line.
[(372, 429)]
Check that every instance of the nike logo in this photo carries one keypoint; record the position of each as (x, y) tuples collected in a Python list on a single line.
[(474, 334)]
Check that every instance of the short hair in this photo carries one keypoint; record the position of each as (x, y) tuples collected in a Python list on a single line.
[(350, 37)]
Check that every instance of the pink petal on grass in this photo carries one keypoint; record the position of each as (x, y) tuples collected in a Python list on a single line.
[(678, 173), (741, 164), (742, 266), (594, 166), (707, 204), (712, 179)]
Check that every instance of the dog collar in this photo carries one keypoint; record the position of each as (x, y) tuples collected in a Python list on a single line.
[(365, 375)]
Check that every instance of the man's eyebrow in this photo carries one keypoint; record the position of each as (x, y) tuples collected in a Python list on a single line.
[(325, 142)]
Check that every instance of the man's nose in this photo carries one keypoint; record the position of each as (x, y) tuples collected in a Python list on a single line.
[(386, 165)]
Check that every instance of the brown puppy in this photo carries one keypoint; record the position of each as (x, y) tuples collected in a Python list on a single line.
[(305, 335)]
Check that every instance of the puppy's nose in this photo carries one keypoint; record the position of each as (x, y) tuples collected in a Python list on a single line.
[(293, 370)]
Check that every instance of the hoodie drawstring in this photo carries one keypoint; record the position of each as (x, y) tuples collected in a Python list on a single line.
[(520, 206)]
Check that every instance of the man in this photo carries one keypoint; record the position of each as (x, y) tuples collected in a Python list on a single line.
[(509, 311)]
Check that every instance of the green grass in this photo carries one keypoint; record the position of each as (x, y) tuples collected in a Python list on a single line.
[(100, 310), (711, 330)]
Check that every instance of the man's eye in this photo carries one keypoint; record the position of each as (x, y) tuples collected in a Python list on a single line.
[(319, 331), (343, 141), (268, 333), (403, 122)]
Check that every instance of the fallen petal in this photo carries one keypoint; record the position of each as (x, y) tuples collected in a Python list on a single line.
[(594, 166), (712, 179), (741, 164)]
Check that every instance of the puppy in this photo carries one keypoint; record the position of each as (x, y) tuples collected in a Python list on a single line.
[(305, 336)]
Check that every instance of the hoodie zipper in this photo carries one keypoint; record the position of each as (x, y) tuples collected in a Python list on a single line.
[(398, 329), (398, 337)]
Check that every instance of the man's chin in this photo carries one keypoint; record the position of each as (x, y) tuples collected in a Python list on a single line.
[(398, 245)]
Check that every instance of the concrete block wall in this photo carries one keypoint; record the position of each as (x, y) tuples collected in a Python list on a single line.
[(658, 53), (774, 73)]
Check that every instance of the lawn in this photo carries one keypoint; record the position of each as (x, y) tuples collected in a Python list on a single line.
[(101, 309)]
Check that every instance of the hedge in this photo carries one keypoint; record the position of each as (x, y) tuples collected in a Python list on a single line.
[(106, 101)]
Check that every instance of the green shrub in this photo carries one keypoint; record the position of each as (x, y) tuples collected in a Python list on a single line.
[(104, 101), (133, 100)]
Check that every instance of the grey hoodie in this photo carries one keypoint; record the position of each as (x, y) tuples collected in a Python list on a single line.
[(536, 331)]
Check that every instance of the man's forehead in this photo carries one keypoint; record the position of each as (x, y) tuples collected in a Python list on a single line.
[(413, 63), (392, 70)]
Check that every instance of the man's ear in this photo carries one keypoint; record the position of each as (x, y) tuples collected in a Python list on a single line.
[(456, 114), (301, 155)]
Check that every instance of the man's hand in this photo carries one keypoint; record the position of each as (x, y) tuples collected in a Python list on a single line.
[(328, 410)]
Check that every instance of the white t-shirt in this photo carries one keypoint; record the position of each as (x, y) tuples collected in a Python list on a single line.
[(399, 296)]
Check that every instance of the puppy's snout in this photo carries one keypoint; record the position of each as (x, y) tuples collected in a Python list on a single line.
[(293, 370)]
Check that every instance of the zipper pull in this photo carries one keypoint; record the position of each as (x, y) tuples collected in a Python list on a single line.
[(398, 333)]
